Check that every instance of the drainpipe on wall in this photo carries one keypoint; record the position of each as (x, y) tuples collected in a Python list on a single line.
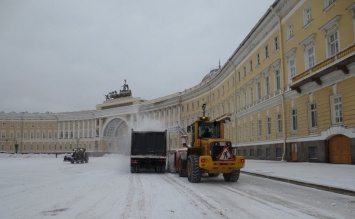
[(282, 68)]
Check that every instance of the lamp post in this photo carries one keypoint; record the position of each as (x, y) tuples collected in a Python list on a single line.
[(77, 143)]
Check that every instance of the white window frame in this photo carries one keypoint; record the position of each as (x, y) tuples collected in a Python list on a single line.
[(268, 125), (267, 85), (279, 123), (277, 80), (333, 43), (290, 33), (259, 90), (307, 16), (337, 109), (328, 3), (266, 50), (276, 43), (251, 130), (331, 29), (294, 120), (309, 56), (312, 115), (251, 94), (260, 126)]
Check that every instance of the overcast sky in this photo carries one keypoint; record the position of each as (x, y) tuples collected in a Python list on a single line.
[(65, 55)]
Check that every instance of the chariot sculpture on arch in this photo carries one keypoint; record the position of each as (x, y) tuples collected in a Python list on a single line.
[(126, 92)]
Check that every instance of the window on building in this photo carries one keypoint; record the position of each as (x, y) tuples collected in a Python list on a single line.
[(250, 65), (292, 67), (312, 110), (251, 152), (333, 43), (245, 132), (4, 124), (289, 31), (251, 131), (268, 152), (276, 43), (260, 152), (245, 98), (244, 71), (267, 85), (238, 75), (259, 89), (32, 134), (251, 94), (44, 135), (337, 109), (309, 57), (245, 152), (312, 152), (266, 50), (307, 15), (294, 125), (3, 134), (277, 80), (268, 125), (258, 59), (328, 3), (279, 123), (259, 127), (278, 152)]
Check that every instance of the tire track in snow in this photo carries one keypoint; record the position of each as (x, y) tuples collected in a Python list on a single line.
[(136, 200), (196, 199)]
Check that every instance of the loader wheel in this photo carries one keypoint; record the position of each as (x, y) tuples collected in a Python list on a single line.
[(231, 177), (182, 170), (193, 170)]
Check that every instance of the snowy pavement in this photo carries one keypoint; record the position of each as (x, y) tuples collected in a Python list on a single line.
[(43, 186), (337, 176)]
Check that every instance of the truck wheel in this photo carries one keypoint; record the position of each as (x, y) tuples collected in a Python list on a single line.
[(182, 170), (134, 169), (231, 177), (213, 174), (193, 170)]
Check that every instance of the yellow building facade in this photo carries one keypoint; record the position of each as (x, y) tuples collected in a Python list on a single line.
[(288, 89)]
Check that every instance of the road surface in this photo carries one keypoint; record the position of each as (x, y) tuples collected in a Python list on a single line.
[(47, 187)]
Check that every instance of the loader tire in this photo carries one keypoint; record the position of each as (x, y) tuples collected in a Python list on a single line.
[(193, 170), (231, 177)]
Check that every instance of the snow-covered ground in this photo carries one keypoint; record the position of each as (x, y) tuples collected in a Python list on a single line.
[(44, 186)]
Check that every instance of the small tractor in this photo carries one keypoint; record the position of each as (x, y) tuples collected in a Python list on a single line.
[(209, 153), (79, 156)]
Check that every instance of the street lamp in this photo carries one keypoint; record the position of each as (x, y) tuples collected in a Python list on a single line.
[(77, 143)]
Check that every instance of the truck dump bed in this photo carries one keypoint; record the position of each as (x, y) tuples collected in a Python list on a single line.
[(148, 151), (148, 144)]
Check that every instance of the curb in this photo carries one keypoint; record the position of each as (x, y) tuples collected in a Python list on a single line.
[(306, 184)]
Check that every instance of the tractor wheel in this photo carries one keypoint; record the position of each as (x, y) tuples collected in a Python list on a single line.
[(182, 170), (193, 170), (213, 174), (231, 177)]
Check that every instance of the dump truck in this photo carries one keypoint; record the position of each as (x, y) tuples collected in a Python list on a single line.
[(210, 152), (148, 151)]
